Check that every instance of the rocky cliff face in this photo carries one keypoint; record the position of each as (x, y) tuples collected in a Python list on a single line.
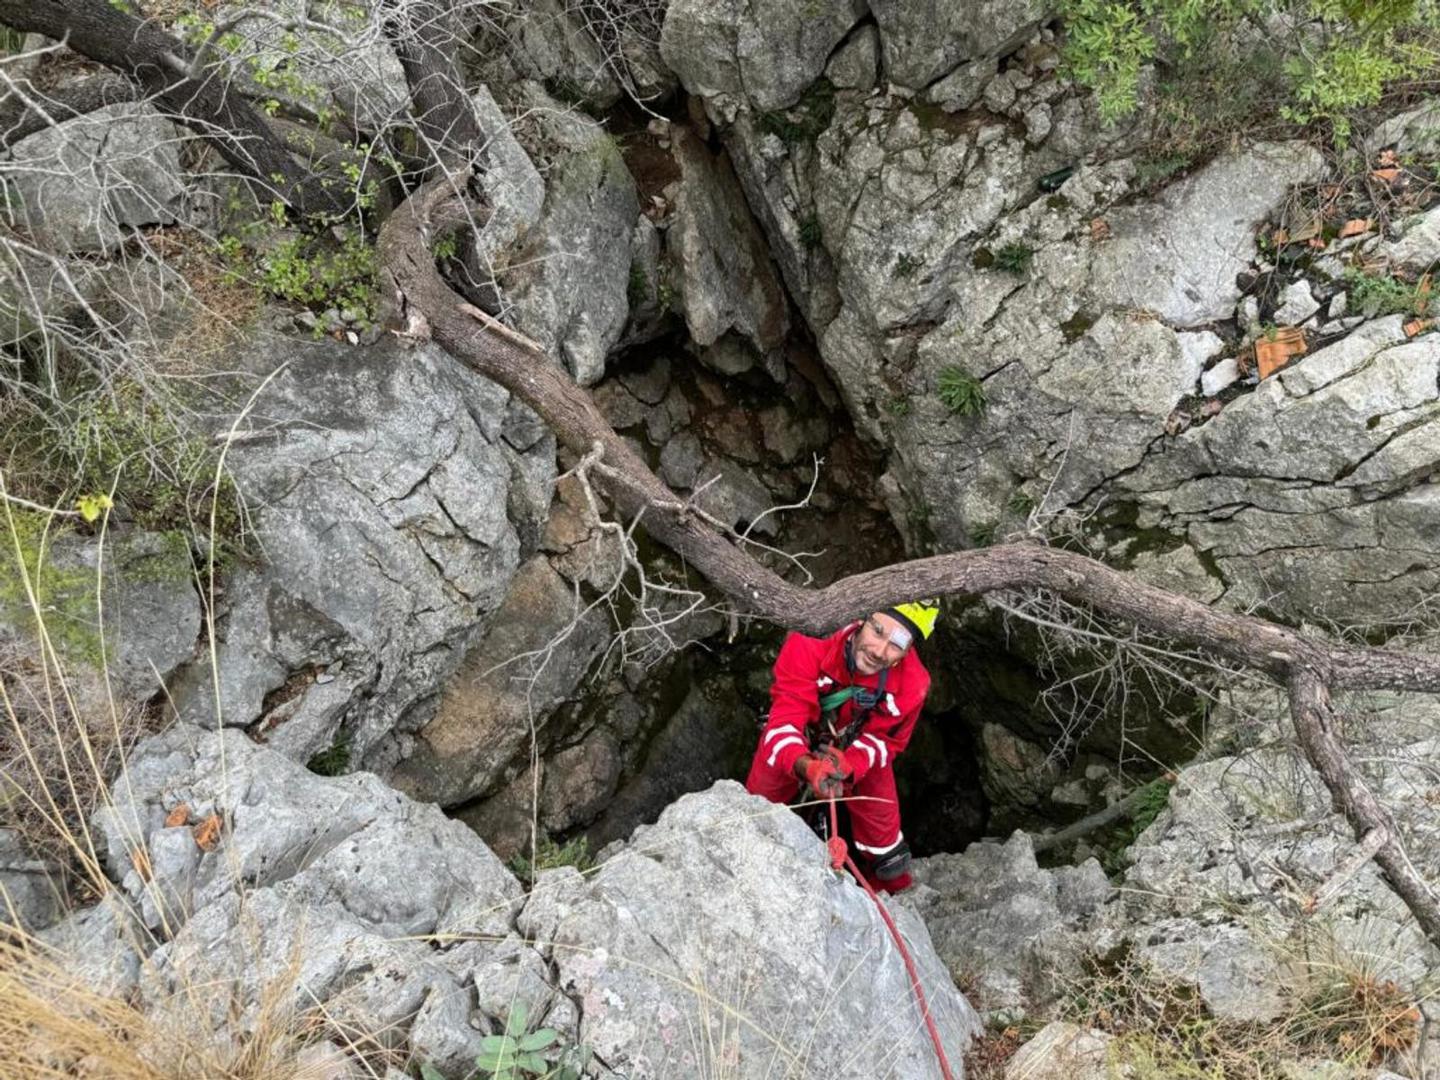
[(895, 238)]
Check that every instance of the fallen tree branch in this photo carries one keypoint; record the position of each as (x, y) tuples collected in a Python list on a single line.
[(1330, 888), (1116, 811), (1315, 723)]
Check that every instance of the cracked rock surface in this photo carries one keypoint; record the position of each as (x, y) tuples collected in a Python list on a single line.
[(400, 923), (380, 480), (727, 902)]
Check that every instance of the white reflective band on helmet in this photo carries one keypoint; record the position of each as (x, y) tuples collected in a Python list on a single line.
[(786, 741), (900, 637), (784, 727)]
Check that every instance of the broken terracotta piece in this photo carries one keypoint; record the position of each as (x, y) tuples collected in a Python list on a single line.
[(1277, 350)]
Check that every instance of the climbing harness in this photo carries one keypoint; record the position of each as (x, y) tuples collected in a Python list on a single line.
[(840, 858), (865, 700)]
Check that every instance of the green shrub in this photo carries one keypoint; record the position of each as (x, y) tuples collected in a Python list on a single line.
[(802, 123), (1348, 53), (905, 265), (548, 855), (1381, 294), (312, 270), (961, 392), (334, 760), (1014, 258), (65, 596)]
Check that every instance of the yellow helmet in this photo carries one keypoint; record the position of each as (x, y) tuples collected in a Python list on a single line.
[(918, 615)]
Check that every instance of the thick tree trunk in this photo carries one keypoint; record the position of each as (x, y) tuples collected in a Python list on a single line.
[(161, 65), (19, 119)]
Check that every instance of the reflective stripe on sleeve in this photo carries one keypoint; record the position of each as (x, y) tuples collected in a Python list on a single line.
[(869, 751), (786, 741), (784, 727)]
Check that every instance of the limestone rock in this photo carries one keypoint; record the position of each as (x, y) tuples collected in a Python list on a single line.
[(762, 56), (381, 486), (924, 39), (963, 86), (512, 183), (727, 283), (856, 62), (728, 887), (1236, 977), (1296, 305), (1063, 1051), (1180, 255), (1010, 929), (486, 713), (570, 278), (82, 185), (342, 881), (29, 887)]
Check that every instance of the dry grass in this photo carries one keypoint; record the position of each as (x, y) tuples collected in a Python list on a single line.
[(1335, 1011), (53, 1024)]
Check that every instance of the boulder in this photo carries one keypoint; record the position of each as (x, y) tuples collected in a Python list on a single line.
[(1012, 931), (922, 40), (764, 58), (1064, 1051), (338, 893), (568, 281), (81, 186), (30, 895), (539, 645), (1332, 456), (727, 902), (1247, 838), (380, 480), (726, 280)]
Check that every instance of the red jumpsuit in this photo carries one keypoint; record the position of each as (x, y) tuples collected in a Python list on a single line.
[(808, 668)]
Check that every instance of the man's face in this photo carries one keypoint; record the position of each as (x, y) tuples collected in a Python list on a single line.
[(877, 645)]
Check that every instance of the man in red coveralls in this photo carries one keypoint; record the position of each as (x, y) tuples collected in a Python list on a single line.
[(842, 708)]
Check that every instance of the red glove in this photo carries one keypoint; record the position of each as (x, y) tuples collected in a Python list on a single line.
[(824, 773)]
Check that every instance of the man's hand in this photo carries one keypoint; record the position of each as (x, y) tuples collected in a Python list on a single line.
[(824, 773)]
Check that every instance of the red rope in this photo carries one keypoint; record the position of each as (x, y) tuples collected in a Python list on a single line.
[(839, 854)]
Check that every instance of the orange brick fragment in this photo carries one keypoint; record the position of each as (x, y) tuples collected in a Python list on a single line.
[(179, 816), (1278, 350), (1418, 326)]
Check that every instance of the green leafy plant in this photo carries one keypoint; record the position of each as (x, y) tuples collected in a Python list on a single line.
[(810, 235), (637, 289), (1014, 258), (1349, 52), (1382, 294), (516, 1053), (333, 760), (961, 392), (550, 854), (802, 123)]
